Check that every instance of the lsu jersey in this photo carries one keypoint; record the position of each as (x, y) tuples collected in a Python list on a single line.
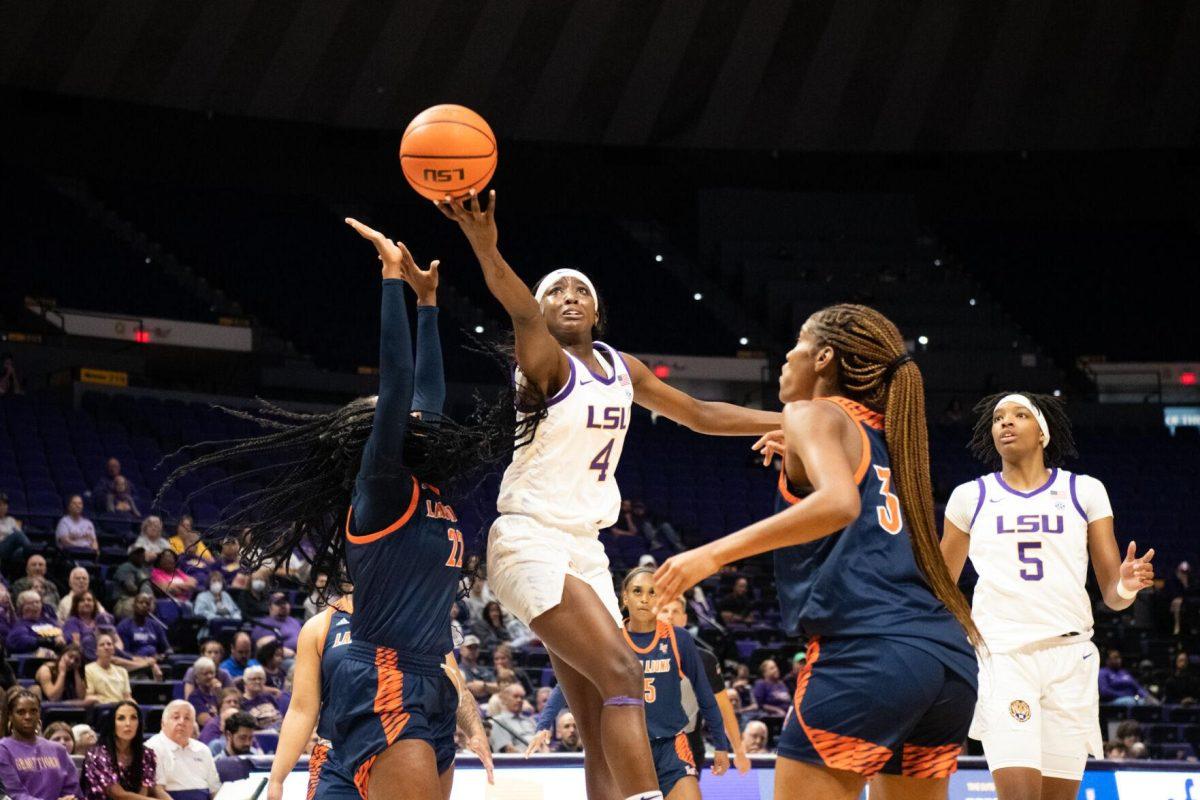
[(864, 579), (1030, 550), (333, 648), (409, 571), (566, 477)]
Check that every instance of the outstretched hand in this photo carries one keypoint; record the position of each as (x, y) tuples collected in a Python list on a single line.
[(681, 572), (1137, 573), (399, 263), (770, 444), (477, 223)]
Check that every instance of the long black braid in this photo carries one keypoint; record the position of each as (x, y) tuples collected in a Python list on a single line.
[(312, 461), (1062, 440)]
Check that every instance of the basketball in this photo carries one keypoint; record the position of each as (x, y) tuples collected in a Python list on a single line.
[(448, 150)]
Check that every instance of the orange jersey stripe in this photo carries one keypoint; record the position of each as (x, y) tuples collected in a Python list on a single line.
[(320, 754), (929, 762), (367, 538), (837, 750), (684, 750), (856, 412), (362, 776), (389, 694)]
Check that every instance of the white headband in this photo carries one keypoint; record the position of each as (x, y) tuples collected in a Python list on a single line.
[(1025, 402), (549, 280)]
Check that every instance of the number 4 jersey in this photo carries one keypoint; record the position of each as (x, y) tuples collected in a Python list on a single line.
[(1030, 550), (566, 477), (863, 581)]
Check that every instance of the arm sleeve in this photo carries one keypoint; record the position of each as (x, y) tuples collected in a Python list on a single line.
[(21, 640), (210, 770), (554, 706), (60, 532), (205, 607), (960, 508), (1092, 498), (384, 450), (11, 780), (429, 393), (689, 659)]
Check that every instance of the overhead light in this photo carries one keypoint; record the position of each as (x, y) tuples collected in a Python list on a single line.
[(1058, 392), (743, 341), (937, 262), (479, 329), (697, 296), (922, 340), (658, 257), (971, 301), (147, 259)]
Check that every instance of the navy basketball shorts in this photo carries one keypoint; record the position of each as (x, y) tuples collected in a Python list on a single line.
[(385, 699), (874, 705), (327, 778), (672, 761)]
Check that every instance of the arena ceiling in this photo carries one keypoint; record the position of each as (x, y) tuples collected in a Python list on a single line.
[(897, 75)]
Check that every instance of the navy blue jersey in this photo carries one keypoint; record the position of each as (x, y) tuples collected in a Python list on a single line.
[(668, 655), (333, 648), (403, 549), (864, 579)]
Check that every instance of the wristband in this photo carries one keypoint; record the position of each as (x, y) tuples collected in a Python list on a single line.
[(1125, 593)]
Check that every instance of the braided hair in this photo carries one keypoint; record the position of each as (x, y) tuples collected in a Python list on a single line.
[(309, 462), (1062, 440), (873, 368)]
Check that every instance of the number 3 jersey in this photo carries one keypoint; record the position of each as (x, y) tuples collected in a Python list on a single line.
[(864, 580), (1030, 550), (566, 477)]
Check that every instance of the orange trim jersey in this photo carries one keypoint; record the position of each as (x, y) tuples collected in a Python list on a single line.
[(864, 579)]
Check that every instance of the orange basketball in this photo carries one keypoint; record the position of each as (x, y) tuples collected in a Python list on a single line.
[(448, 150)]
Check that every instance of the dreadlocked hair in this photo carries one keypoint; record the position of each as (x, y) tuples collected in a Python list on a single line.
[(1062, 439), (309, 463), (866, 344)]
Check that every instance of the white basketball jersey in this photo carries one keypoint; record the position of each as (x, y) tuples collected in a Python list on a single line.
[(566, 477), (1030, 550)]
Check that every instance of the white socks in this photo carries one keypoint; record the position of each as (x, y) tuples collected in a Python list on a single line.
[(655, 795)]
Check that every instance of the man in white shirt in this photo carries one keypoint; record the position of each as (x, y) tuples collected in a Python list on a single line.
[(80, 583), (185, 766)]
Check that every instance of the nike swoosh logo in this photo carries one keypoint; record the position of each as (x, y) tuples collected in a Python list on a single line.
[(1089, 655), (584, 383), (995, 499)]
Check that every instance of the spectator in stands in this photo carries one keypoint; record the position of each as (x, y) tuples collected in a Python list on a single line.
[(1118, 686), (1115, 751), (187, 540), (793, 675), (62, 680), (60, 732), (170, 580), (1129, 733), (75, 531), (120, 501), (107, 483), (31, 631), (1183, 685), (130, 579), (143, 634), (490, 627), (541, 698), (270, 656), (495, 703), (257, 701), (566, 734), (205, 696), (754, 737), (14, 544), (1183, 592), (655, 532), (8, 614), (279, 624), (33, 768), (741, 683), (239, 655), (770, 692), (512, 728), (215, 602), (625, 525), (230, 564), (35, 575), (80, 581), (212, 650), (106, 682), (151, 538), (121, 765), (481, 680), (231, 703), (185, 766), (85, 738), (255, 602), (9, 382), (478, 596), (502, 658), (84, 621), (738, 607), (238, 740), (735, 703)]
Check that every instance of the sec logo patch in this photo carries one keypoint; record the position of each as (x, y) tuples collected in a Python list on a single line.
[(1019, 710)]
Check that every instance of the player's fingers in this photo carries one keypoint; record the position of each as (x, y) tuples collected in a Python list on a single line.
[(1130, 551), (364, 231), (491, 209), (473, 202), (433, 266), (1146, 559), (486, 758), (446, 210)]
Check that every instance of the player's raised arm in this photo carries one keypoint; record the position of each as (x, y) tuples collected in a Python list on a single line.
[(539, 355), (702, 416)]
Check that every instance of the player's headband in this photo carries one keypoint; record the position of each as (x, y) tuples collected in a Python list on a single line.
[(1025, 402), (548, 281)]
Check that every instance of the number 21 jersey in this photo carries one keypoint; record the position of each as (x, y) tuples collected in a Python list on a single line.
[(566, 477), (1030, 550)]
